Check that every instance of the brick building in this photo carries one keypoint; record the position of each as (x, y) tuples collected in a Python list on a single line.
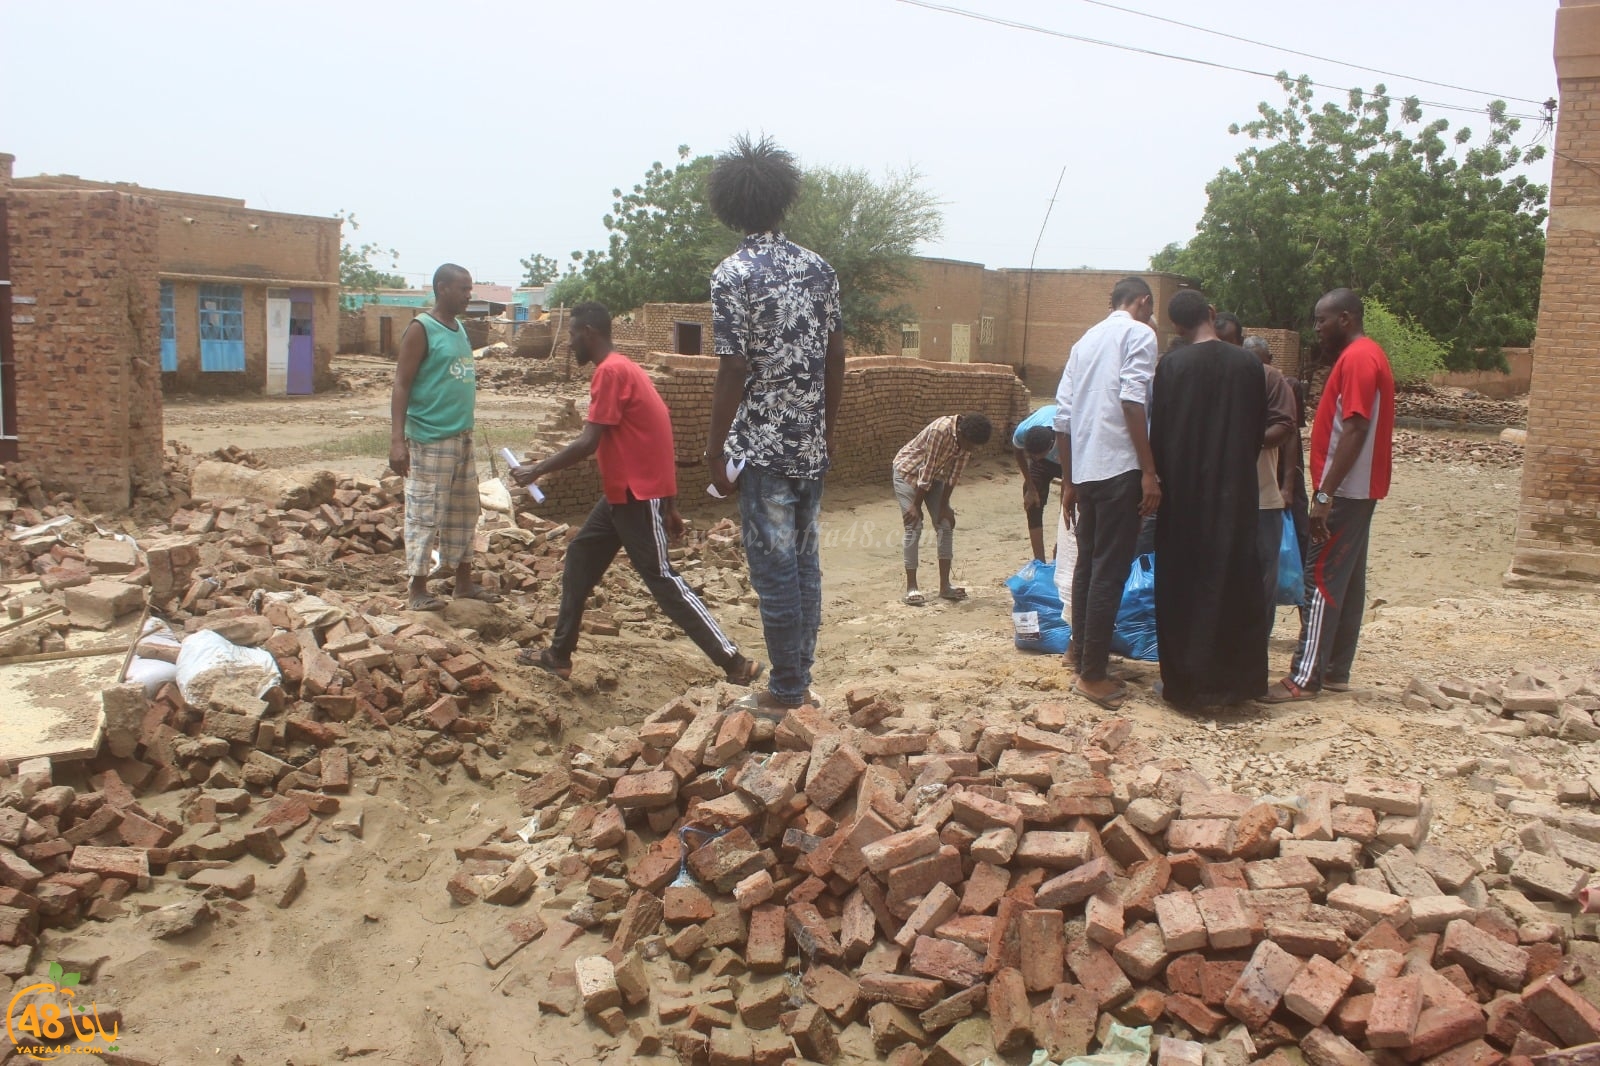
[(248, 299), (80, 338), (1558, 529), (1030, 319)]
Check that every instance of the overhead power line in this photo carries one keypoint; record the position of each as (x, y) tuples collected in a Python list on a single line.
[(1309, 55), (1137, 50)]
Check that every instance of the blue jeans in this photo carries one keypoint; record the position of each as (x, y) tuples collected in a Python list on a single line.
[(780, 545)]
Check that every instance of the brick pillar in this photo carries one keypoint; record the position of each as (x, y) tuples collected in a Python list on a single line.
[(1558, 529), (7, 161)]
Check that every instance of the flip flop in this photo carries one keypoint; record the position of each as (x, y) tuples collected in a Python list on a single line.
[(748, 675), (914, 599), (1336, 686), (479, 593), (425, 603), (1112, 702), (544, 660), (955, 595), (1291, 693)]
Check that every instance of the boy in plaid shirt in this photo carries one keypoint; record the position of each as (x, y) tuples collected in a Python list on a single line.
[(925, 473)]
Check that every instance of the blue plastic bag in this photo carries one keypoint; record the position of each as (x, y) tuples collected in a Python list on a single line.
[(1291, 568), (1036, 609), (1134, 636)]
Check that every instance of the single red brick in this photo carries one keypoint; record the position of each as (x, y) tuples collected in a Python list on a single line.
[(984, 888), (1571, 1017), (1103, 918), (1044, 947), (1183, 974), (1396, 1007), (1182, 927), (1441, 1028), (1098, 972), (1503, 965), (1010, 1014), (1217, 979), (1229, 922), (1194, 1014), (766, 944), (947, 961), (1076, 885), (1260, 988), (1316, 990), (1054, 850), (1142, 954), (898, 849)]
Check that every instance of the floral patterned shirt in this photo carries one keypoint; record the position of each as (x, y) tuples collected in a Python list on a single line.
[(774, 303)]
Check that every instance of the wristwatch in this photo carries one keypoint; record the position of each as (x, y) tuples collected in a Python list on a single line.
[(1322, 498)]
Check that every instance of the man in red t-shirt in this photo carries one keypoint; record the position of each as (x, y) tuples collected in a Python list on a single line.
[(629, 432), (1352, 449)]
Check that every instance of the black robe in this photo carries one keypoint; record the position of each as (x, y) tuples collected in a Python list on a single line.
[(1208, 412)]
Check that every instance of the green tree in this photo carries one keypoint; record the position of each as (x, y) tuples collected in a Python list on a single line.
[(665, 242), (1414, 356), (1438, 230), (539, 269), (868, 231), (357, 271)]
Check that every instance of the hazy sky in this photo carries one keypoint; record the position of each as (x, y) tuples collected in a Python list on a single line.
[(482, 132)]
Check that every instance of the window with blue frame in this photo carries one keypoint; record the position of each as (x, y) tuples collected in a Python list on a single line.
[(221, 327), (169, 329)]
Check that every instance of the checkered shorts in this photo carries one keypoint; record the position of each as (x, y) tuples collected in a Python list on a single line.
[(441, 503)]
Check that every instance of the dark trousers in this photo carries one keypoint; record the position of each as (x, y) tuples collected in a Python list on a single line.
[(1269, 541), (1040, 473), (1108, 532), (640, 527), (1336, 596)]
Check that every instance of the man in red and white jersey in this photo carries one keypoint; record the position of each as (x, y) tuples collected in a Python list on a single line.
[(1352, 448)]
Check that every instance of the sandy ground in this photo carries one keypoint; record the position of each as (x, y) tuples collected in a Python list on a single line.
[(375, 963)]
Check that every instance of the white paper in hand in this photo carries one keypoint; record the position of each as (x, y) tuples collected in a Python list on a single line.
[(734, 469), (512, 460)]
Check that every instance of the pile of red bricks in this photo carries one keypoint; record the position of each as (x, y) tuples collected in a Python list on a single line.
[(1053, 878), (253, 770)]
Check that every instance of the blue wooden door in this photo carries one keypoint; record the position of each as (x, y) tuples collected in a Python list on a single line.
[(302, 360)]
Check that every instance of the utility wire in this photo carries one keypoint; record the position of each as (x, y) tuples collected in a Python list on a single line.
[(1015, 25), (1309, 55)]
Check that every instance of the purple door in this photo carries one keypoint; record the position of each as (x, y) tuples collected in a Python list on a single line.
[(302, 361)]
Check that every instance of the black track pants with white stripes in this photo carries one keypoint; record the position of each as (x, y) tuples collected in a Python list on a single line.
[(1336, 593), (640, 527)]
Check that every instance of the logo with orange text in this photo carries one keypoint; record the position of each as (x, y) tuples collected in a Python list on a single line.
[(45, 1021)]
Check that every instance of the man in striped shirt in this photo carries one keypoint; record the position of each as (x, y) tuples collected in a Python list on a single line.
[(925, 473)]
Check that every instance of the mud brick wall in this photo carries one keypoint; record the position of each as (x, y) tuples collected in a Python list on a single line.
[(1558, 528), (887, 400), (87, 330), (1285, 346)]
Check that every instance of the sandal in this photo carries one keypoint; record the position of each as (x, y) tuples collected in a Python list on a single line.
[(748, 672), (545, 660), (479, 593), (1336, 686), (914, 599), (425, 603), (1286, 691), (954, 595), (1111, 702)]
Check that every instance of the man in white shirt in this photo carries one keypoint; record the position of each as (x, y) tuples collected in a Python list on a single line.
[(1108, 473)]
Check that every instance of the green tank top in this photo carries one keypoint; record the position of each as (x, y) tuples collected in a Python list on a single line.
[(446, 385)]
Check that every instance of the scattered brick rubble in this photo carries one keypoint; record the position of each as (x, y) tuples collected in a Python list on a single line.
[(1540, 701), (363, 687), (753, 891), (1415, 447)]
